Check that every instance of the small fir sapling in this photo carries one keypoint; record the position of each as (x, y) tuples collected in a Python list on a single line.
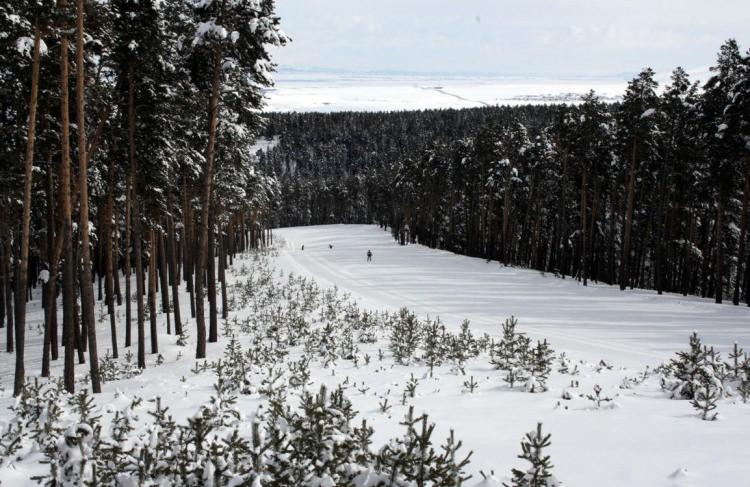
[(597, 397), (471, 385), (705, 402), (539, 473), (411, 386), (433, 344), (406, 335), (692, 369)]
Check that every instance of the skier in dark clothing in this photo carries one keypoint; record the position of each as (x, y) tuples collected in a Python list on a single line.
[(303, 247), (330, 246), (369, 255)]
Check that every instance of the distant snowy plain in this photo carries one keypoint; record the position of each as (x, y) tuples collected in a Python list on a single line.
[(312, 91)]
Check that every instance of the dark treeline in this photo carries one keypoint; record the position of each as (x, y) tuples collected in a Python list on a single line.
[(650, 192), (132, 120)]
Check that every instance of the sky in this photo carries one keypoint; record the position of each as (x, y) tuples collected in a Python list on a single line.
[(508, 37)]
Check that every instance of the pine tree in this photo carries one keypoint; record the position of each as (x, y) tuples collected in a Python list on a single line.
[(539, 473)]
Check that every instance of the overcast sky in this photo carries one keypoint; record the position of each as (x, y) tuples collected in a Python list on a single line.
[(547, 37)]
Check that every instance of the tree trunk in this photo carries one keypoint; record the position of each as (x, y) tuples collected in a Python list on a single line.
[(213, 324), (175, 276), (719, 284), (584, 242), (109, 264), (49, 346), (223, 275), (138, 249), (163, 280), (68, 274), (6, 268), (506, 214), (625, 261), (743, 234), (23, 268), (152, 259), (87, 290), (213, 117)]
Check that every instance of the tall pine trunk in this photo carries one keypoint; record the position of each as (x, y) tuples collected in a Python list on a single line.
[(109, 263), (164, 280), (213, 322), (68, 271), (213, 120), (23, 268), (743, 235), (719, 280), (5, 256), (584, 241), (223, 275), (152, 259), (87, 289), (625, 260)]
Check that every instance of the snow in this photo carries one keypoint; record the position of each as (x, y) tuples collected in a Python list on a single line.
[(209, 29), (648, 113), (327, 92), (645, 440), (25, 47), (634, 327)]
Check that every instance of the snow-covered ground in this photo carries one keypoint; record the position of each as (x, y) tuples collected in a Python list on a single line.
[(330, 92), (642, 438), (634, 328), (643, 442)]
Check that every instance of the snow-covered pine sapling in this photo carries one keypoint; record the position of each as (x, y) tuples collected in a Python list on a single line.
[(597, 397), (512, 353), (362, 441), (109, 368), (691, 370), (433, 343), (539, 473), (75, 465), (563, 363), (300, 373), (705, 402), (603, 365), (743, 389), (411, 386), (471, 385), (735, 357), (384, 406), (367, 359), (540, 367), (406, 335), (272, 382), (451, 471)]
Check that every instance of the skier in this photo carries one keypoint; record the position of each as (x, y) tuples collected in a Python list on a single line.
[(303, 247), (369, 255), (330, 246)]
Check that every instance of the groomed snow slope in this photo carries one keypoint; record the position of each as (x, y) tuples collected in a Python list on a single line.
[(632, 327), (646, 440)]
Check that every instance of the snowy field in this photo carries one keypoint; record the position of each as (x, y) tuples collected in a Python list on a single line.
[(304, 91), (639, 438), (326, 92)]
